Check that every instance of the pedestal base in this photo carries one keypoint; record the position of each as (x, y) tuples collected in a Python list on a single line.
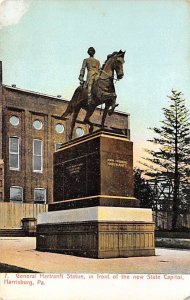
[(95, 234), (97, 239)]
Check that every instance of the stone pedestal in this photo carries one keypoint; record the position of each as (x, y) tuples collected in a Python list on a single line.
[(96, 165), (94, 213)]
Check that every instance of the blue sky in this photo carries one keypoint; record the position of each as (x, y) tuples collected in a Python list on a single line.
[(43, 44)]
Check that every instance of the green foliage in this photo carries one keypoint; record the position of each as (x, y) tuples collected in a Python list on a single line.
[(143, 191), (172, 157)]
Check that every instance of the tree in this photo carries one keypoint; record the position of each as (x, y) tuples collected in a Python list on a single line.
[(171, 160), (143, 191)]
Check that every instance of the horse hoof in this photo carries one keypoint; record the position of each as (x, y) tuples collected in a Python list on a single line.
[(110, 112)]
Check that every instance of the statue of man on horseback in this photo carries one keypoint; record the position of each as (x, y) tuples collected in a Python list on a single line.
[(98, 90)]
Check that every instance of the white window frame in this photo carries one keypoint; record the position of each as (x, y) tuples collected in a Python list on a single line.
[(12, 123), (79, 128), (18, 153), (34, 155), (41, 124), (44, 195), (62, 130), (19, 187)]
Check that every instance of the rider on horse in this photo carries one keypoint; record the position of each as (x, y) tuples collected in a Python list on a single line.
[(93, 66), (101, 89)]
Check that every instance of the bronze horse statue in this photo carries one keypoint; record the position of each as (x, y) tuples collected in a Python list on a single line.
[(103, 91)]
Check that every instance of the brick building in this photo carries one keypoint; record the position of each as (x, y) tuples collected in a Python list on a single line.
[(30, 131)]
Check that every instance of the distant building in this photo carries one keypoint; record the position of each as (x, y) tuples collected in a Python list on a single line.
[(30, 131)]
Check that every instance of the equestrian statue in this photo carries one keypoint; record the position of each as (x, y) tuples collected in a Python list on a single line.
[(97, 90)]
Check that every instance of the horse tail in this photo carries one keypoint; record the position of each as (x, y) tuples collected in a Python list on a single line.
[(76, 94), (67, 111), (72, 103)]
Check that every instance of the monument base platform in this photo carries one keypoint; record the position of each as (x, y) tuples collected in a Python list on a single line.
[(97, 232), (100, 200)]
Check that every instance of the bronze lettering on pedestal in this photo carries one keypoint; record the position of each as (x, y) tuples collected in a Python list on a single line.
[(117, 163), (74, 173), (74, 168)]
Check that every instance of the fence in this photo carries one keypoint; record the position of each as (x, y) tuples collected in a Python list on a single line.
[(163, 220), (12, 213)]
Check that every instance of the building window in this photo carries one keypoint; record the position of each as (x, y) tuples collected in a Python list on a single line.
[(59, 128), (14, 120), (37, 156), (16, 193), (37, 124), (40, 196), (57, 146), (14, 153), (79, 131)]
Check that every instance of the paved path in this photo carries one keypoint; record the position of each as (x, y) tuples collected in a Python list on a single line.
[(20, 252)]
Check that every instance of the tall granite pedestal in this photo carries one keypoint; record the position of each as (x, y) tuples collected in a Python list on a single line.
[(95, 213)]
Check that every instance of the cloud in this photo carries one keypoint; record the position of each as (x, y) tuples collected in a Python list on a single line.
[(11, 11)]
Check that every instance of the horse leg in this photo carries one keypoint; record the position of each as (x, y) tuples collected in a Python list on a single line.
[(114, 105), (74, 117), (107, 105), (89, 113)]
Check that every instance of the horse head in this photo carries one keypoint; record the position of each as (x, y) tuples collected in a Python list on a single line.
[(118, 63), (114, 62)]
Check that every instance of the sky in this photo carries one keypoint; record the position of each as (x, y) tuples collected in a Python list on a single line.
[(43, 44)]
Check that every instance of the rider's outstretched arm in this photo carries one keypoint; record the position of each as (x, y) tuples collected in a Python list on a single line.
[(82, 71)]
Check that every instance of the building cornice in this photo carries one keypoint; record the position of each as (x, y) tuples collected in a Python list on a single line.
[(16, 89)]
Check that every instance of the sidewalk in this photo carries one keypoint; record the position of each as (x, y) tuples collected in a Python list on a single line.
[(20, 252)]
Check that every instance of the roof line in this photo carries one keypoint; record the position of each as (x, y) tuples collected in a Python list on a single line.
[(32, 92), (54, 97)]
